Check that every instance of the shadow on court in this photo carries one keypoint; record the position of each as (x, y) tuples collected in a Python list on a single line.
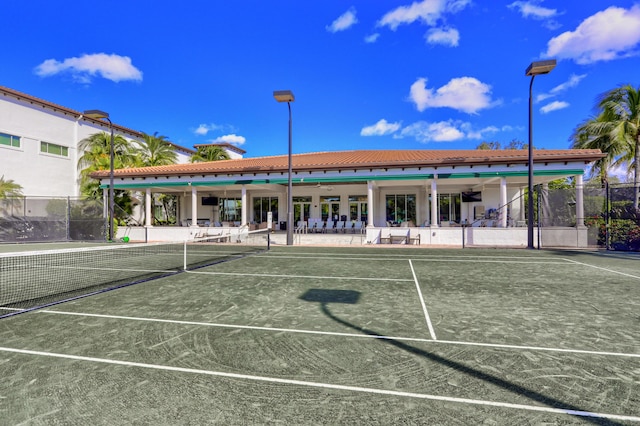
[(326, 296)]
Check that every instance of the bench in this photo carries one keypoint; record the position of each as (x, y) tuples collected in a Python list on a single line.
[(399, 236)]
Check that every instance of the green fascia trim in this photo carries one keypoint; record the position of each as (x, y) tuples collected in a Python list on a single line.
[(282, 181), (509, 174)]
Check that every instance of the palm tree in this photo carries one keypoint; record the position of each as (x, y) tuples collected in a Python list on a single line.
[(595, 133), (96, 156), (616, 130), (8, 188), (209, 153), (156, 151)]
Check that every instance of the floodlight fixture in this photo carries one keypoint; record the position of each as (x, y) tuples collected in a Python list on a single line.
[(540, 67)]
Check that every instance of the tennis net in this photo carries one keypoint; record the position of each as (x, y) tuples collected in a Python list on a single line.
[(32, 280)]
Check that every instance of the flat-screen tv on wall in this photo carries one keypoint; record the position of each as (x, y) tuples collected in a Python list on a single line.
[(471, 196), (209, 201)]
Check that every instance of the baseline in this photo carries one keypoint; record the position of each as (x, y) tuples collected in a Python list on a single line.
[(331, 386)]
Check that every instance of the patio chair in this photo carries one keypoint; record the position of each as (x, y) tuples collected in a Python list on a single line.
[(357, 227), (341, 226), (329, 225)]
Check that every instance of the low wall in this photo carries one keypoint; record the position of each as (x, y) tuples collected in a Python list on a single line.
[(484, 237), (453, 237)]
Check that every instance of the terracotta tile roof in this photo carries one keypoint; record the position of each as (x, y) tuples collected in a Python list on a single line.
[(360, 159)]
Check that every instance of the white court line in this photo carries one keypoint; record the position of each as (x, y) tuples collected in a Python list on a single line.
[(298, 276), (603, 269), (333, 333), (461, 259), (424, 306), (325, 385)]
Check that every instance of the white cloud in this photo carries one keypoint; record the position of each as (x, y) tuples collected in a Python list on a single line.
[(372, 38), (530, 9), (443, 131), (112, 67), (465, 94), (381, 128), (232, 139), (610, 34), (554, 106), (203, 129), (445, 36), (343, 22), (426, 11), (446, 131), (573, 81)]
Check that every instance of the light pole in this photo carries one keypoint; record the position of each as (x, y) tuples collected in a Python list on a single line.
[(98, 115), (287, 96), (535, 68)]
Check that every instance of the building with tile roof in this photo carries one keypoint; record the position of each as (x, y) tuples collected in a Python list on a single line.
[(425, 190)]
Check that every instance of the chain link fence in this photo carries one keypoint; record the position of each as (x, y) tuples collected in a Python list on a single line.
[(610, 217), (39, 219)]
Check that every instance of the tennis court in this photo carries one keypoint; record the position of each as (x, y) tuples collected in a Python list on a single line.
[(340, 335)]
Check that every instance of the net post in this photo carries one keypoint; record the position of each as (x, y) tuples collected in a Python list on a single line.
[(268, 241), (184, 256)]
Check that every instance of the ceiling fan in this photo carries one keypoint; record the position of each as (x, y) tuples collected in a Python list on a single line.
[(325, 187)]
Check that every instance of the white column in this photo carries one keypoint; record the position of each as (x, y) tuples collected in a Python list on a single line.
[(194, 206), (182, 205), (147, 207), (503, 202), (244, 205), (105, 203), (579, 201), (427, 212), (435, 222), (370, 203)]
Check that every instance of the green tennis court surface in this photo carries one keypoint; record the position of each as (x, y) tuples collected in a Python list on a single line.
[(340, 336)]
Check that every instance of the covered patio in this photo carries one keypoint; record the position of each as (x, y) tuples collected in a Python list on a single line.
[(431, 197)]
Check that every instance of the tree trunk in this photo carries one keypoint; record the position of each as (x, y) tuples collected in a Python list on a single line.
[(636, 175)]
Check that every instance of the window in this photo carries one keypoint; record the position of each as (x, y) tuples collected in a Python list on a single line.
[(263, 205), (230, 209), (330, 207), (401, 208), (358, 208), (51, 148), (9, 140), (449, 207)]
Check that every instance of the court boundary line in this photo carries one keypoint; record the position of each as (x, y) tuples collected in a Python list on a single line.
[(342, 334), (422, 302), (479, 402), (298, 276), (603, 269), (460, 259)]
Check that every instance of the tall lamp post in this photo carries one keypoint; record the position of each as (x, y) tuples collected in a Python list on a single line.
[(535, 68), (99, 115), (287, 96)]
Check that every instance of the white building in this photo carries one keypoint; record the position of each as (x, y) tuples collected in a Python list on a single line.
[(39, 143)]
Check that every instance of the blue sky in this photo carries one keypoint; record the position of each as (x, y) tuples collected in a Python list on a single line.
[(431, 74)]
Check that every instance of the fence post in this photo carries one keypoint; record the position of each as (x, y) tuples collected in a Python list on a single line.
[(607, 217), (68, 220)]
